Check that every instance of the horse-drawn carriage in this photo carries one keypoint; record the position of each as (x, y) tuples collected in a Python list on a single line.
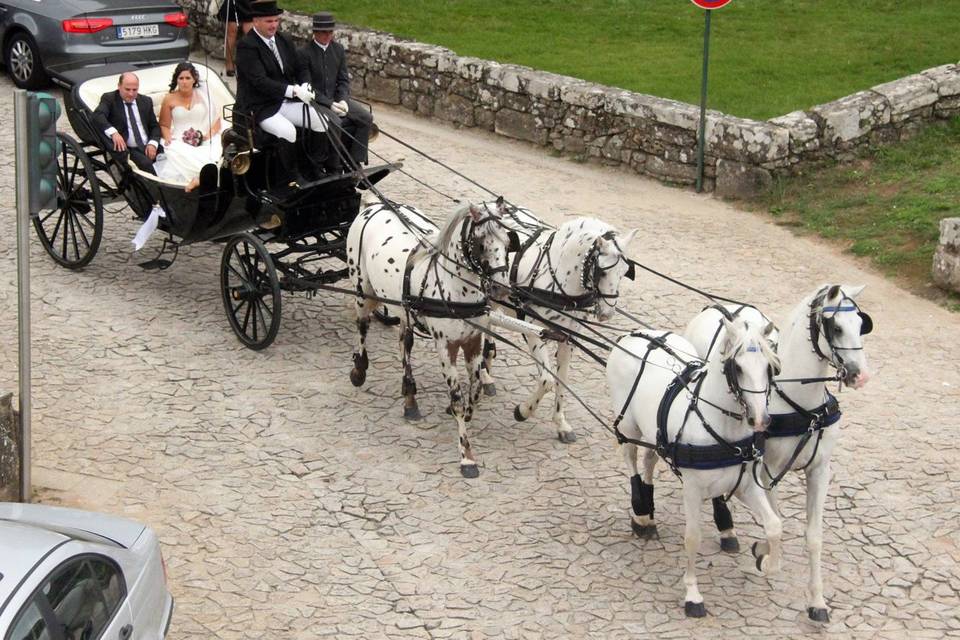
[(233, 203)]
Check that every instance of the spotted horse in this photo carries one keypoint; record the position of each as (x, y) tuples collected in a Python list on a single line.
[(559, 277), (439, 277)]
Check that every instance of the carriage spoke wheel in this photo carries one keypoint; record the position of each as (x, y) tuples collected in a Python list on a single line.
[(251, 291), (71, 233)]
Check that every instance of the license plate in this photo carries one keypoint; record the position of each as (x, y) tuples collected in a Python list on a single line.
[(138, 31)]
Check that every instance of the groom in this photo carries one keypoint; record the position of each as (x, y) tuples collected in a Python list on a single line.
[(129, 123)]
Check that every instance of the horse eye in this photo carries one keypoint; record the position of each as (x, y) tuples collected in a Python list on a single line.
[(837, 329)]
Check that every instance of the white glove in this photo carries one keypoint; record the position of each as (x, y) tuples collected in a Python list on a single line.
[(303, 93), (340, 108)]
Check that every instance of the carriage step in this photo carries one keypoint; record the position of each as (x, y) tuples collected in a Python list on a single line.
[(157, 264)]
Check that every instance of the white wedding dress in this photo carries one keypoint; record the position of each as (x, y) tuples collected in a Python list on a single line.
[(182, 162)]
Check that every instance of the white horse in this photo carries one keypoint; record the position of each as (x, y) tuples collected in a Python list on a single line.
[(563, 276), (703, 419), (823, 333), (395, 253)]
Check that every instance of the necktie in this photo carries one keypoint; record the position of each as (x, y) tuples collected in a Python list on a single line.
[(134, 126), (276, 54)]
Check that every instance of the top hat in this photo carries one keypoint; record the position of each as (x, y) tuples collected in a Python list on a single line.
[(323, 21), (264, 9)]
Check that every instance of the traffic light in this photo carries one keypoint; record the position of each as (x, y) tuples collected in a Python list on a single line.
[(43, 110)]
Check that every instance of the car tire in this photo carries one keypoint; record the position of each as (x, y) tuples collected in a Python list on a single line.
[(23, 62)]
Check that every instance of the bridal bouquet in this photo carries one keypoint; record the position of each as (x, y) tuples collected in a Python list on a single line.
[(193, 137)]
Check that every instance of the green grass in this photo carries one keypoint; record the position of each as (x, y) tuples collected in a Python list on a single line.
[(886, 207), (768, 57)]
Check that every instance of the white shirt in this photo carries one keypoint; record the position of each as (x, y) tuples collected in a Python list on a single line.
[(131, 140)]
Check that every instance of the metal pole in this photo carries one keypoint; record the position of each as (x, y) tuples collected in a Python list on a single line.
[(703, 100), (21, 136)]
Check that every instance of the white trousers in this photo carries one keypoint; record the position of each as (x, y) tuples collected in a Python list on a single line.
[(291, 115)]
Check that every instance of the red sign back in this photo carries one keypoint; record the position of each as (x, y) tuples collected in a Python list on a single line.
[(710, 4)]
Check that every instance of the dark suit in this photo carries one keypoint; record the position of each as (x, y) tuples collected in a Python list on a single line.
[(261, 83), (112, 112), (327, 71)]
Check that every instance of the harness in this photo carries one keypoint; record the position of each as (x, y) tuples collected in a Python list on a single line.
[(441, 307), (555, 297), (681, 455)]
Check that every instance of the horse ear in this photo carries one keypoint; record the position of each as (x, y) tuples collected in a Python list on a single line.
[(499, 202), (853, 291), (627, 239), (475, 212), (769, 329), (833, 292)]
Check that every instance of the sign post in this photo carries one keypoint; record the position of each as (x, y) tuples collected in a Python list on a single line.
[(709, 6)]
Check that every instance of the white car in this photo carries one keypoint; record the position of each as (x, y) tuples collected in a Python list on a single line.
[(67, 574)]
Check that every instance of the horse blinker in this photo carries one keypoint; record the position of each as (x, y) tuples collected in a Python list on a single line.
[(866, 323)]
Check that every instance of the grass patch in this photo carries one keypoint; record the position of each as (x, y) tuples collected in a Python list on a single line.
[(768, 57), (886, 207)]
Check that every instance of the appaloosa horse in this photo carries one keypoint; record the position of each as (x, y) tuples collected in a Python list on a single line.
[(395, 253), (703, 419), (822, 333), (558, 278)]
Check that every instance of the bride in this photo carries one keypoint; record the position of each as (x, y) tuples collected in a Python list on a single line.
[(190, 129)]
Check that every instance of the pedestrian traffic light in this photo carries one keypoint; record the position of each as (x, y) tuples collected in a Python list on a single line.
[(43, 110)]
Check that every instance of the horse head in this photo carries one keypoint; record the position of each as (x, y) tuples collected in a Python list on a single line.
[(749, 365), (486, 243), (837, 327), (605, 266)]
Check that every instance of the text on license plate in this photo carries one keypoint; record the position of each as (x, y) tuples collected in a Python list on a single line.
[(138, 31)]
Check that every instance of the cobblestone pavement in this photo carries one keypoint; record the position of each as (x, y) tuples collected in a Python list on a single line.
[(291, 505)]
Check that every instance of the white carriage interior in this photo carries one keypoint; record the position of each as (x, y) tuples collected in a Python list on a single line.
[(155, 83)]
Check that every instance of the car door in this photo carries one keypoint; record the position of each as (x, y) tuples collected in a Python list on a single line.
[(84, 598)]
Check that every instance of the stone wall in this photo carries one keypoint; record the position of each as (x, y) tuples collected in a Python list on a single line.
[(653, 136)]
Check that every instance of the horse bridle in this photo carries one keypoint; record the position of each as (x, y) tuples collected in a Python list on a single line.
[(473, 250), (823, 325), (592, 271)]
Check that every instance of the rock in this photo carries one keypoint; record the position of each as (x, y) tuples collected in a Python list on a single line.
[(519, 125), (739, 180), (851, 117), (946, 260)]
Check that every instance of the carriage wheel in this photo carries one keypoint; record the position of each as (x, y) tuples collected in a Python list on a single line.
[(71, 233), (251, 291)]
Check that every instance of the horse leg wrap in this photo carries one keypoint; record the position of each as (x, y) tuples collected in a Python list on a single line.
[(641, 497), (489, 349), (721, 515)]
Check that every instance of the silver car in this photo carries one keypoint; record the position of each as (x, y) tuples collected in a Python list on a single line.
[(41, 39), (69, 574)]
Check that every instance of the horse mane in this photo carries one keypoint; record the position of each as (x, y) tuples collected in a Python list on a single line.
[(764, 344), (438, 241)]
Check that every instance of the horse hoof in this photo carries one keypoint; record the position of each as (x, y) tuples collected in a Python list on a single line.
[(644, 531), (695, 609), (490, 389), (412, 413), (730, 545), (566, 437), (358, 377), (818, 614), (758, 556), (517, 415), (469, 471)]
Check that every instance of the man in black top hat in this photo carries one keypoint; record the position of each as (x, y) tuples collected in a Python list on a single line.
[(272, 83), (326, 62)]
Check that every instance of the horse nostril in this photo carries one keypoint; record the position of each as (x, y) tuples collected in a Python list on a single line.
[(752, 421)]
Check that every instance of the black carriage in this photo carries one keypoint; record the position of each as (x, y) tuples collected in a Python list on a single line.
[(276, 238)]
